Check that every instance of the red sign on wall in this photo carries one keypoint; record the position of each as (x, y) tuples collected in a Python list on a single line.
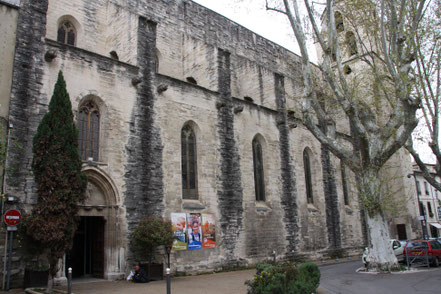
[(12, 217)]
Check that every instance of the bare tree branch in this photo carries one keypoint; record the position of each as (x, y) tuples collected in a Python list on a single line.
[(423, 167), (273, 8)]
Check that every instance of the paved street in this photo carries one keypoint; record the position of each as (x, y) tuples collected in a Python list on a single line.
[(336, 279), (342, 279)]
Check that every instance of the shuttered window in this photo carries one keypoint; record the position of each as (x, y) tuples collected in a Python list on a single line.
[(418, 187)]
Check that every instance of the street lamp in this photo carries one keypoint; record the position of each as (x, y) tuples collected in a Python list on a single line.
[(423, 218), (168, 249)]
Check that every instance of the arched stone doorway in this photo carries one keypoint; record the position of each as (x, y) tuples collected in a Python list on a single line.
[(98, 249)]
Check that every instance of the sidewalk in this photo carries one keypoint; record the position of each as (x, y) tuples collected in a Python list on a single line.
[(336, 277), (221, 283), (218, 283)]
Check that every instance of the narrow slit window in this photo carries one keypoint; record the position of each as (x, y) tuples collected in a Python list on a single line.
[(344, 184), (351, 43), (259, 181), (189, 163), (339, 26), (308, 180)]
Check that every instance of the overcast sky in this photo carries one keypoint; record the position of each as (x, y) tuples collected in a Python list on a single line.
[(253, 15)]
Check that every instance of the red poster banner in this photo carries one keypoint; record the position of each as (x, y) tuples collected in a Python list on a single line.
[(208, 230)]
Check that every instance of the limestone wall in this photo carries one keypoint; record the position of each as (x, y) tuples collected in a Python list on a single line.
[(144, 105)]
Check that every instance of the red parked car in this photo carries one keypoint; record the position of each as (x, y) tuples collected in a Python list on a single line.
[(419, 248)]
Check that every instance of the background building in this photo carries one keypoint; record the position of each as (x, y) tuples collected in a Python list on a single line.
[(429, 202)]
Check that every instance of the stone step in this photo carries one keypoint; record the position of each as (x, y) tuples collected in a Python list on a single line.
[(14, 272), (13, 259)]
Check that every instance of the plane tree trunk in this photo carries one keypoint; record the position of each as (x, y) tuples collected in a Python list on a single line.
[(380, 255)]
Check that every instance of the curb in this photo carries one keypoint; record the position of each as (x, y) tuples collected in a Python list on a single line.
[(333, 262)]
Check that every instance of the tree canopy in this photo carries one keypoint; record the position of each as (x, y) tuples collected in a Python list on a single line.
[(426, 73), (363, 79), (60, 183)]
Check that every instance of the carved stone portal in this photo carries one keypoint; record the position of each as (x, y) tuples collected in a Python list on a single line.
[(99, 232)]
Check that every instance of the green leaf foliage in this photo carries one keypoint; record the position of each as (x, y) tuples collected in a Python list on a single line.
[(309, 275), (284, 278), (30, 249), (60, 183), (150, 233)]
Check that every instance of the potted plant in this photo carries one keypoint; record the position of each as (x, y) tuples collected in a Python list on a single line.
[(149, 234)]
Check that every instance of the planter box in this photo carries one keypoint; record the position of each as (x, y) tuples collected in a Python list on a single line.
[(155, 271), (34, 278)]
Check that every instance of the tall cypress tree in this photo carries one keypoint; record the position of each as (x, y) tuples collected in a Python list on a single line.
[(60, 183)]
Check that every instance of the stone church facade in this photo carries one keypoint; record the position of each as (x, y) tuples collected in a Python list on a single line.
[(180, 110)]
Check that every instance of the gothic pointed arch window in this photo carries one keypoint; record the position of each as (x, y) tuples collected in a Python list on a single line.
[(89, 131), (308, 177), (189, 163), (158, 58), (344, 184), (259, 180), (351, 43), (66, 33), (339, 25)]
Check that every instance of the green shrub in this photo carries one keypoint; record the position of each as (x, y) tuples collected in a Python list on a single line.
[(263, 267), (284, 278), (150, 233), (309, 276)]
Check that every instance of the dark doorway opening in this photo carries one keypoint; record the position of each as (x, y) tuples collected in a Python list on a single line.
[(434, 231), (86, 258), (401, 230)]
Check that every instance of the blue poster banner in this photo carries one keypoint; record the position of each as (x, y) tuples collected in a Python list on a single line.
[(194, 232)]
